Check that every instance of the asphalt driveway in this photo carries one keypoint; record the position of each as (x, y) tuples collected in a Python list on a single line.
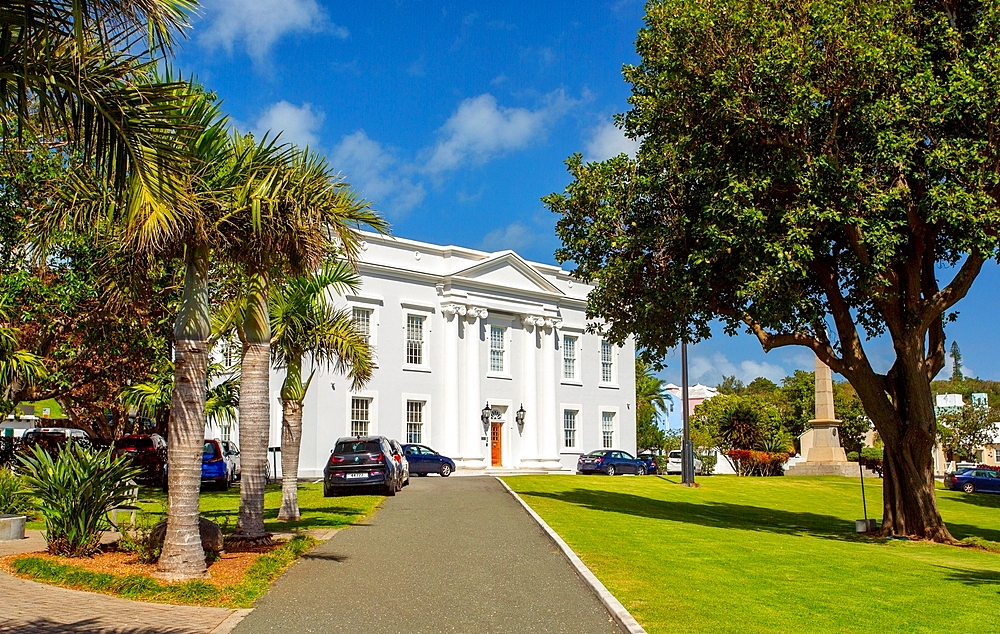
[(444, 555)]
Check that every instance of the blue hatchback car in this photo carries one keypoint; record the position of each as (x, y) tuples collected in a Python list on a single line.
[(972, 480), (611, 462), (424, 460)]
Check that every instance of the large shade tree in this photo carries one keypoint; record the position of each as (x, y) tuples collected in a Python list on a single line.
[(816, 172)]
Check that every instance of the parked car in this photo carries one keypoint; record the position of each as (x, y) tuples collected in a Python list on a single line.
[(611, 462), (972, 480), (216, 467), (363, 464), (400, 457), (424, 460), (649, 460), (148, 451), (232, 452), (674, 462)]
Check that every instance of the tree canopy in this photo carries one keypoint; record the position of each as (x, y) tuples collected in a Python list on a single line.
[(815, 172)]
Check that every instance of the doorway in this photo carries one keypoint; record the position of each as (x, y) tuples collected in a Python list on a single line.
[(496, 444)]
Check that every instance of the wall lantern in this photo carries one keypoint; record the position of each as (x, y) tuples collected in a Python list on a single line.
[(486, 417), (519, 417)]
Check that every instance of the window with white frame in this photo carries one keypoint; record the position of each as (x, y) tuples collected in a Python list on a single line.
[(607, 362), (608, 429), (360, 416), (363, 322), (569, 428), (498, 349), (569, 357), (414, 340), (414, 421)]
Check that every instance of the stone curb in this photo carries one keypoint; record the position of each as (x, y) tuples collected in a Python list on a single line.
[(613, 605), (231, 621)]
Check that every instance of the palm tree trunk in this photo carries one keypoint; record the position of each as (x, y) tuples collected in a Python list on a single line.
[(182, 557), (292, 395), (255, 414)]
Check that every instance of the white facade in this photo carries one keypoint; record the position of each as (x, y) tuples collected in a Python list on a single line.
[(455, 329)]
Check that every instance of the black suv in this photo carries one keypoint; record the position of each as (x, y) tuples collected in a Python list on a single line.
[(359, 465)]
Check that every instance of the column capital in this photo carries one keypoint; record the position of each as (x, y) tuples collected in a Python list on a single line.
[(476, 312), (453, 309), (532, 320)]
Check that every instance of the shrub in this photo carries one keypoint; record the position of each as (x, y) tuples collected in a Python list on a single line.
[(757, 463), (14, 493), (852, 456), (75, 492), (708, 462), (137, 539), (871, 457)]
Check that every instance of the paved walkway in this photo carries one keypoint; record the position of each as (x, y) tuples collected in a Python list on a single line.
[(444, 555), (27, 606)]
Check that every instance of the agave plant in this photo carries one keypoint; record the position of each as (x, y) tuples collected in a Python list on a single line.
[(74, 493), (14, 494)]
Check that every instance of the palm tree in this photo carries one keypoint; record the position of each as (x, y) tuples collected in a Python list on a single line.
[(307, 214), (80, 71), (18, 367), (303, 322), (152, 398), (650, 402)]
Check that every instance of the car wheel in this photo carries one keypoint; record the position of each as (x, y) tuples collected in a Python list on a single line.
[(611, 470), (445, 470), (641, 471), (968, 487), (390, 489)]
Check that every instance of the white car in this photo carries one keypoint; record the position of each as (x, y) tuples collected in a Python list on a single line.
[(674, 462)]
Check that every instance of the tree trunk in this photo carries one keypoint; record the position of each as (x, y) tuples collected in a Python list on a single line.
[(255, 415), (906, 422), (291, 439), (182, 557)]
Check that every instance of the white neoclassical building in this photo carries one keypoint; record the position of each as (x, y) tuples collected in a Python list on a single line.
[(456, 331)]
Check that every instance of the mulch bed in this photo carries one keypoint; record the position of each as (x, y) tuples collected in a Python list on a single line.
[(227, 570)]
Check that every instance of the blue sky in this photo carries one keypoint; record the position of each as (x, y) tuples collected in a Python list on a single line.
[(455, 119)]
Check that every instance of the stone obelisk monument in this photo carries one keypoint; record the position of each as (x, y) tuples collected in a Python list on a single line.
[(821, 450)]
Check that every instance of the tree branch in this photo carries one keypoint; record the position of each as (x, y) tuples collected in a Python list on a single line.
[(956, 290)]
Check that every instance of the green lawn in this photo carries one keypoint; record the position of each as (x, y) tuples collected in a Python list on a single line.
[(771, 554), (223, 507)]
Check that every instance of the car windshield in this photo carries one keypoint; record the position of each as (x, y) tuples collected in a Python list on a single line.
[(44, 436), (357, 446), (211, 451), (675, 454), (599, 452), (134, 444)]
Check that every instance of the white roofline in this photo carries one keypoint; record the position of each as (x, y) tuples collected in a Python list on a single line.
[(428, 247)]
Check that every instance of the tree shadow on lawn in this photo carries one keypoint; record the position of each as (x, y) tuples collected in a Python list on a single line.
[(972, 577), (986, 500), (711, 514), (738, 516)]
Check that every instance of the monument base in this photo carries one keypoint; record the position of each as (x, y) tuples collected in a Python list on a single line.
[(845, 469)]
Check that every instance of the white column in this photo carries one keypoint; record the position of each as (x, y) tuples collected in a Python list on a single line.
[(529, 392), (549, 430), (472, 451), (449, 437)]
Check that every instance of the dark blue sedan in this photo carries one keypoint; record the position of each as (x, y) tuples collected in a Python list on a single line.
[(972, 480), (611, 462), (650, 461), (424, 460)]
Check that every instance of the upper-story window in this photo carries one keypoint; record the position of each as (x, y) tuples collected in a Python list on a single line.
[(414, 340), (363, 322), (498, 349), (607, 362), (569, 357)]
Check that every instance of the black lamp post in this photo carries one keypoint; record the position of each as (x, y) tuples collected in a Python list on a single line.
[(687, 449), (486, 417), (519, 417)]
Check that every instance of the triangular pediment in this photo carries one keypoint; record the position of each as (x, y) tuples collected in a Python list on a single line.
[(507, 269)]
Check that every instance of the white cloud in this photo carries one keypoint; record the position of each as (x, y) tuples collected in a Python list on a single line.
[(258, 24), (516, 236), (377, 173), (710, 370), (297, 124), (480, 130), (606, 141)]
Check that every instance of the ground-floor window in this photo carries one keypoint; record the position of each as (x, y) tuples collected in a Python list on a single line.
[(360, 416), (608, 429), (569, 428), (414, 421)]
